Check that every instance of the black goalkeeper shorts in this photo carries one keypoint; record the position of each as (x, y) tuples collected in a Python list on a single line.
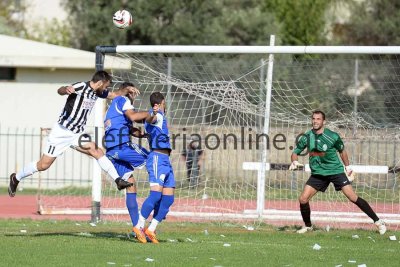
[(321, 182)]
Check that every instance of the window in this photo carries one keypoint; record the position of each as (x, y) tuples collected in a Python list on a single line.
[(7, 74)]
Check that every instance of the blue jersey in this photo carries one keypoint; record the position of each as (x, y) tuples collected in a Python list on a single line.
[(116, 124), (158, 132)]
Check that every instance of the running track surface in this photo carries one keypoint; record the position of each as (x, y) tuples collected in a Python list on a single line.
[(25, 206)]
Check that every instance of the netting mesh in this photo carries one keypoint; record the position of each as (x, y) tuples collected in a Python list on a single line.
[(354, 91), (222, 99)]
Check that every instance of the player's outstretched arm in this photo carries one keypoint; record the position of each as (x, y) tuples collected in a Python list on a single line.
[(152, 118), (136, 116), (66, 90)]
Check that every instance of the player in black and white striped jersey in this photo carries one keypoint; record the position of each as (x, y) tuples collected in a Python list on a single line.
[(71, 124), (78, 106)]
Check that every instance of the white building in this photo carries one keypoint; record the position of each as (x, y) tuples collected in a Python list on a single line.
[(30, 74)]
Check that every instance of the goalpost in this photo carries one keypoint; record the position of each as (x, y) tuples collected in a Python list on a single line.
[(247, 105)]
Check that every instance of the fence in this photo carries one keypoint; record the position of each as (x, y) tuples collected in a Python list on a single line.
[(22, 145)]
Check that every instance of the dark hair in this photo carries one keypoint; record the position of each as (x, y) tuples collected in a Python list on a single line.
[(319, 112), (156, 98), (101, 75), (126, 84)]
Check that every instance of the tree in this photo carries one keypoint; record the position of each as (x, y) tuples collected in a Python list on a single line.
[(11, 18), (12, 22), (373, 22), (174, 22), (303, 21), (377, 22), (50, 31)]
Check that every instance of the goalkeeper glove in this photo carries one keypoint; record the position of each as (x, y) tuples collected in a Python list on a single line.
[(350, 173), (295, 165)]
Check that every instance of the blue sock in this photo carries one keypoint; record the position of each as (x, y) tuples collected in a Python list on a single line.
[(132, 206), (156, 208), (149, 203), (166, 202)]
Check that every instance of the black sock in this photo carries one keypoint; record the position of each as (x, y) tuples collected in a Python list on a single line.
[(366, 208), (306, 213)]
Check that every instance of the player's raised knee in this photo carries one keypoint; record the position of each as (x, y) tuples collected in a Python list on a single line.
[(43, 165), (94, 150)]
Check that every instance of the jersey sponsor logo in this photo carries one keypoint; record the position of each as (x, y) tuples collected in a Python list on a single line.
[(317, 154), (324, 147), (88, 104), (78, 107)]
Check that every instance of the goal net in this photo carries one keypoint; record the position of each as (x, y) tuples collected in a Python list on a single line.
[(244, 109)]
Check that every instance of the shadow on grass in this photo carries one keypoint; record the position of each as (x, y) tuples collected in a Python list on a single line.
[(128, 236)]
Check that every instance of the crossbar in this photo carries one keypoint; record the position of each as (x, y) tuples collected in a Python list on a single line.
[(215, 49)]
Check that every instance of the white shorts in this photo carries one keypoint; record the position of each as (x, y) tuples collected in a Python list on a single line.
[(59, 139)]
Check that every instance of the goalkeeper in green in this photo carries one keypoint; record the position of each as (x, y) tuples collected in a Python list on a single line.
[(323, 145)]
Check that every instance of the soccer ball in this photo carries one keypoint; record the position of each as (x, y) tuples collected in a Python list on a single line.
[(122, 19)]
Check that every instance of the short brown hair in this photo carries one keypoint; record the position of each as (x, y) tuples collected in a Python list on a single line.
[(101, 75), (319, 112), (156, 98), (126, 84)]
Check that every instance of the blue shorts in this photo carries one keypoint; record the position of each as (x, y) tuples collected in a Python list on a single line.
[(124, 169), (127, 157), (160, 170)]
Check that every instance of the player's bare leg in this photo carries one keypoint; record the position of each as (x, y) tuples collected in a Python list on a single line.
[(349, 193), (90, 149), (365, 207), (304, 200), (43, 164), (106, 165)]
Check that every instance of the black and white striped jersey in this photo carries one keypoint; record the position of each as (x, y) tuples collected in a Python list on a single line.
[(78, 107)]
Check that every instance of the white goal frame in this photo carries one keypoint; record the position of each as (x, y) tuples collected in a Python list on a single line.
[(261, 167)]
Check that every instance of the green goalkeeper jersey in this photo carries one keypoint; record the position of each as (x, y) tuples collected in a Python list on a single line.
[(322, 149)]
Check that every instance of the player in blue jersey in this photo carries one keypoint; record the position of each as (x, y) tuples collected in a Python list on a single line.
[(123, 153), (161, 175)]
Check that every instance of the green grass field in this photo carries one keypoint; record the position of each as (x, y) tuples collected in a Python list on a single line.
[(70, 243)]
